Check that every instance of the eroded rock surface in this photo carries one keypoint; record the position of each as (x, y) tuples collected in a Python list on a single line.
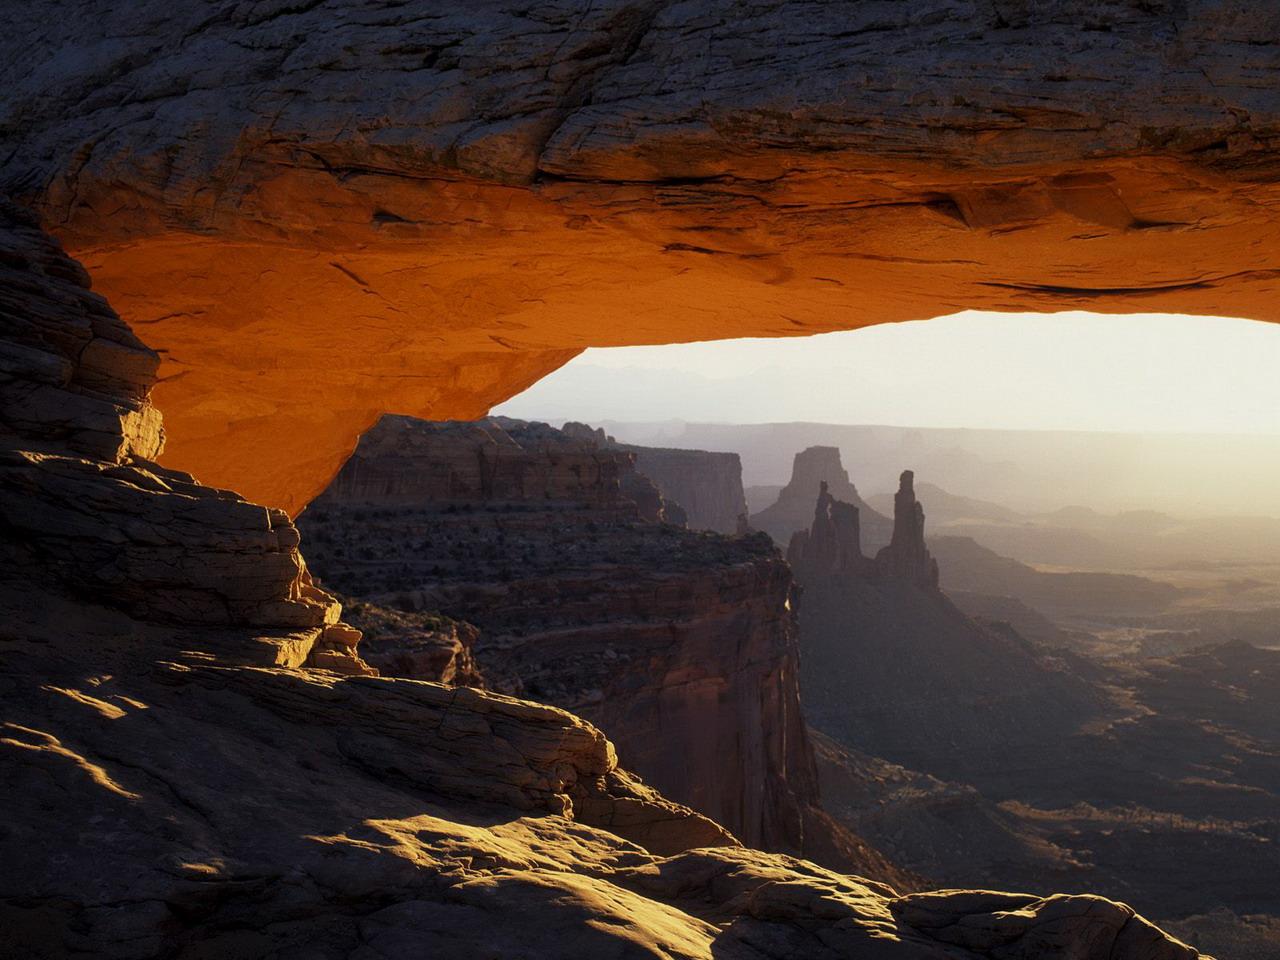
[(183, 807), (706, 484), (815, 471), (679, 645), (84, 506), (322, 212), (178, 786)]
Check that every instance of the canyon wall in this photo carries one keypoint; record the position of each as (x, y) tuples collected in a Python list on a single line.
[(890, 663), (706, 485), (965, 750), (85, 508), (187, 729), (408, 461), (319, 213), (679, 645)]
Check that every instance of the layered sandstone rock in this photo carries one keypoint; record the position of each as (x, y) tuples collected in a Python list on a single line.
[(417, 646), (503, 187), (172, 807), (679, 645), (707, 485), (818, 469), (175, 796), (409, 461), (83, 504)]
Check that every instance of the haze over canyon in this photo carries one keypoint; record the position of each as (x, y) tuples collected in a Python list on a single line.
[(959, 647)]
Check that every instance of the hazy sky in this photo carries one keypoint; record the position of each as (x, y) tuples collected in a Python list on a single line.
[(1029, 371)]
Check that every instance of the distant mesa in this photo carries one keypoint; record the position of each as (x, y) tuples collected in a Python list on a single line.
[(812, 468), (832, 543), (706, 484), (407, 461)]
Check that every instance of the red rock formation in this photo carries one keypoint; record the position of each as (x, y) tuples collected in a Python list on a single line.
[(500, 191), (679, 645), (417, 646), (177, 792), (706, 487), (84, 505), (833, 545), (834, 541), (818, 469)]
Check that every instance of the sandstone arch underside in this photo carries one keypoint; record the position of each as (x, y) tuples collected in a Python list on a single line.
[(322, 211)]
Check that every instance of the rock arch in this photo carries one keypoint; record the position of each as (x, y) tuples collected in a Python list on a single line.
[(496, 193)]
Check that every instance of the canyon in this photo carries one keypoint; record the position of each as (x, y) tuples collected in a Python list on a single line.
[(966, 750), (202, 764), (706, 484), (680, 646), (310, 214), (793, 509)]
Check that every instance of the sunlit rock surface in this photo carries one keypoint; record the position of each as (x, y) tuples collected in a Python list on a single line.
[(320, 212), (172, 791), (679, 645), (83, 505)]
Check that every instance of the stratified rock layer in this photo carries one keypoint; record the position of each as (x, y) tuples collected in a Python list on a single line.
[(322, 212), (179, 807), (706, 485), (172, 796), (679, 645), (84, 506)]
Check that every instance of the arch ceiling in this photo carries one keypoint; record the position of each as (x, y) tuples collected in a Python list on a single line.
[(321, 212)]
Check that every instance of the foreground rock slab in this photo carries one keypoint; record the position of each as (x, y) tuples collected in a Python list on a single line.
[(188, 807)]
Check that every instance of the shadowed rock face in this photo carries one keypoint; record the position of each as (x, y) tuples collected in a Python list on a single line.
[(503, 187), (906, 557), (179, 791), (679, 645), (83, 505), (815, 472), (706, 485)]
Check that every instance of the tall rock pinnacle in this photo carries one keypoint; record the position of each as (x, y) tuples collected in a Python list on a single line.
[(906, 557)]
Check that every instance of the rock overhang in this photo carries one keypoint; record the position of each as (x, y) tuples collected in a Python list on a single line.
[(324, 213)]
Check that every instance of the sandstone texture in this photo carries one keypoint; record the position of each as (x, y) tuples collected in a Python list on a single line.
[(417, 646), (814, 470), (84, 506), (706, 485), (187, 808), (679, 645), (454, 202), (172, 792)]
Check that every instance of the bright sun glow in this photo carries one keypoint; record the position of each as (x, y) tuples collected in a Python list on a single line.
[(1072, 371)]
